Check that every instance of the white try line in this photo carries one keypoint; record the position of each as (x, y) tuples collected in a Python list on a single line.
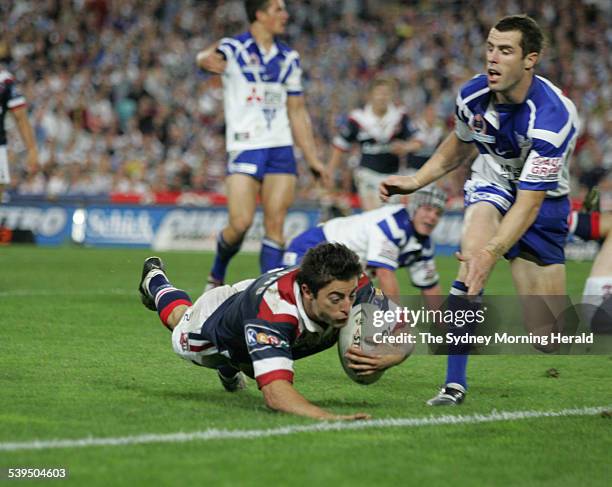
[(27, 293), (221, 434), (66, 292)]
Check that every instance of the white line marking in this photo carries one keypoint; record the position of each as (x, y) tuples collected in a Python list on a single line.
[(220, 434), (68, 292)]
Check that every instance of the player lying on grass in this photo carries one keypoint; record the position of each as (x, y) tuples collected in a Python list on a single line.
[(385, 239), (260, 326), (598, 287)]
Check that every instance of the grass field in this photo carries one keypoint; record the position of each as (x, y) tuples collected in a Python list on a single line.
[(82, 358)]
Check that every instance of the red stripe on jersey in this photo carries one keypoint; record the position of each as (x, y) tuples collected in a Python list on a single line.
[(21, 105), (199, 348), (265, 313), (355, 121), (268, 377), (363, 281), (164, 313), (595, 230), (285, 287)]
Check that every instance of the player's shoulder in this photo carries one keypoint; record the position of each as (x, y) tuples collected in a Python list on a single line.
[(236, 42), (474, 88), (285, 49), (384, 212), (358, 116), (552, 108)]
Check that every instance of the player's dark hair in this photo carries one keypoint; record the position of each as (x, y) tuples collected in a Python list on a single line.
[(254, 6), (327, 262), (532, 38)]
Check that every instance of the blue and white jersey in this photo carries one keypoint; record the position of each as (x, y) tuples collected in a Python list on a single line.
[(385, 238), (255, 87), (522, 146)]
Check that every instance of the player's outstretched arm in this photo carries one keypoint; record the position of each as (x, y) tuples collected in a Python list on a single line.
[(211, 60), (280, 395), (513, 225), (451, 153), (27, 135), (301, 127)]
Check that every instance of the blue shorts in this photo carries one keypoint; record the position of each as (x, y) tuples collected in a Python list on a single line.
[(545, 239), (300, 245), (259, 162)]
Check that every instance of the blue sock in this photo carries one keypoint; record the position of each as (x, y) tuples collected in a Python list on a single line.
[(225, 252), (271, 255), (456, 365)]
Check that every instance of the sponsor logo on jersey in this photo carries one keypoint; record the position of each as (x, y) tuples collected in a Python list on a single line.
[(545, 168), (262, 337)]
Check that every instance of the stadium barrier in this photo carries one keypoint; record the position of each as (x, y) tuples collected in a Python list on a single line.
[(179, 227), (164, 227)]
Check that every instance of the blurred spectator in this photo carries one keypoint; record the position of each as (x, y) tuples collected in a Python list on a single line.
[(109, 83)]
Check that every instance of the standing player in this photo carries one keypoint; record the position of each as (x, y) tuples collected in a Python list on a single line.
[(597, 225), (382, 130), (12, 100), (385, 239), (264, 106), (260, 326), (523, 130)]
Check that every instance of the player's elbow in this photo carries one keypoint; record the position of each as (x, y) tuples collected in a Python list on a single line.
[(275, 395)]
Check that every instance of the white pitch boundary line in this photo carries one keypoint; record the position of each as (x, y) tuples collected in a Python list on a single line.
[(221, 434), (58, 292), (19, 293)]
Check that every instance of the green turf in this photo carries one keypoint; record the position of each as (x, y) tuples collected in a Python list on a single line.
[(81, 357)]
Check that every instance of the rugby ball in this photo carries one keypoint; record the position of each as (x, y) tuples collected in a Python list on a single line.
[(354, 334)]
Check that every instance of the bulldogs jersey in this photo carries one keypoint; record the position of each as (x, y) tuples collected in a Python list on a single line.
[(385, 238), (375, 135), (522, 146), (264, 328), (255, 88), (10, 98)]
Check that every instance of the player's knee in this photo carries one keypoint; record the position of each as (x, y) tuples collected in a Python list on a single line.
[(241, 224)]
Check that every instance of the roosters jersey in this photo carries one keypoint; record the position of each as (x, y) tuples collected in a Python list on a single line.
[(264, 327), (521, 146), (375, 134), (255, 87), (10, 98)]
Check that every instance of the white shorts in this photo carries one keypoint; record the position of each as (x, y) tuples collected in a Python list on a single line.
[(5, 177), (186, 339)]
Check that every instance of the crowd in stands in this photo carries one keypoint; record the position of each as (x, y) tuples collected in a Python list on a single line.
[(118, 104)]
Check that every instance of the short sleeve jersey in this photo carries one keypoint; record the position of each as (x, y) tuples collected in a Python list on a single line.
[(521, 146), (256, 85)]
